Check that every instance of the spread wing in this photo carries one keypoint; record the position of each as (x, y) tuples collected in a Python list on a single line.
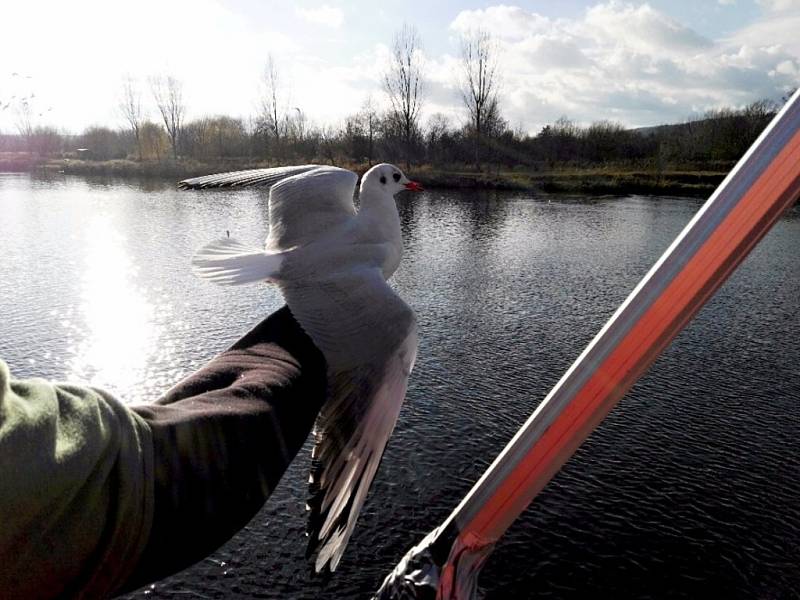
[(305, 202), (249, 178), (368, 336), (305, 206)]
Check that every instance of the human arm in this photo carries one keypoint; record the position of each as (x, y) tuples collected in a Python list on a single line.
[(98, 497), (223, 438)]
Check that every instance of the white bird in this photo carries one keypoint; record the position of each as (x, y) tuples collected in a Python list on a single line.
[(331, 264)]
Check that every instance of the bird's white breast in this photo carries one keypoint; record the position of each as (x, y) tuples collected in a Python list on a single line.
[(379, 223)]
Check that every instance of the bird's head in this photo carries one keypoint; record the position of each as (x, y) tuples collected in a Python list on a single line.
[(387, 179)]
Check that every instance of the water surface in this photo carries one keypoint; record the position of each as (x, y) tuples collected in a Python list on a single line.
[(690, 487)]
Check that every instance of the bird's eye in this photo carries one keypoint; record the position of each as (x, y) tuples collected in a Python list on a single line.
[(383, 178), (396, 176)]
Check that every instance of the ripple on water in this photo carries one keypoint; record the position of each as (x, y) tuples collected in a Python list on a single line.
[(691, 487)]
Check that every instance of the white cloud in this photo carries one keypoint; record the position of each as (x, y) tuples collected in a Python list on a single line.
[(726, 2), (640, 28), (558, 51), (507, 22), (774, 33), (779, 5), (617, 60), (328, 16), (632, 63)]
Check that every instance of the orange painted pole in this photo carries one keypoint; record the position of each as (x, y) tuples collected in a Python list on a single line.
[(764, 183)]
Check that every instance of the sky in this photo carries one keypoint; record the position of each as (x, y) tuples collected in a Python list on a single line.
[(637, 63)]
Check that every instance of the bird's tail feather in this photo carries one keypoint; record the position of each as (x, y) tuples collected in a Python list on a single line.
[(228, 262)]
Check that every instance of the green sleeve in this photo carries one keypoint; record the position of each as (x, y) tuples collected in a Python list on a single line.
[(76, 489)]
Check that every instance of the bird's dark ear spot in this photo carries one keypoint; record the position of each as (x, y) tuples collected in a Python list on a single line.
[(383, 178), (396, 176)]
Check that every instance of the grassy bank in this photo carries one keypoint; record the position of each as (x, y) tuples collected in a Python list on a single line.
[(128, 168), (566, 180), (581, 181)]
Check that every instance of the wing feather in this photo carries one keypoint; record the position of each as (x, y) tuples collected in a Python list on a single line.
[(229, 262), (308, 205), (305, 202), (368, 336), (246, 178)]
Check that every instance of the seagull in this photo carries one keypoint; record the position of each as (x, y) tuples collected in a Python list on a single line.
[(331, 263)]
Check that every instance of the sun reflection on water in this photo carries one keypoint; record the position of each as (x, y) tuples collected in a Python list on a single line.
[(120, 325)]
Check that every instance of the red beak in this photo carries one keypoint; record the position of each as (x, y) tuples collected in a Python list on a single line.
[(414, 186)]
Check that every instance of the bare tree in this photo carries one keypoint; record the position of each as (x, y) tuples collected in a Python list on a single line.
[(168, 95), (25, 118), (370, 117), (154, 142), (353, 138), (271, 103), (403, 83), (329, 139), (299, 124), (437, 133), (130, 106), (479, 84)]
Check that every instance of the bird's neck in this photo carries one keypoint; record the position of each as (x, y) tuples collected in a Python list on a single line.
[(378, 213)]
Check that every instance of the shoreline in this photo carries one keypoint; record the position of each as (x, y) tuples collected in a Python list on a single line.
[(580, 181), (692, 183)]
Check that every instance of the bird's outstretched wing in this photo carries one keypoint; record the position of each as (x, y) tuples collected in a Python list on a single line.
[(248, 178), (368, 336), (305, 202), (306, 206)]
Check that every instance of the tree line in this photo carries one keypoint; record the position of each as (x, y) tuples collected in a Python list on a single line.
[(483, 139)]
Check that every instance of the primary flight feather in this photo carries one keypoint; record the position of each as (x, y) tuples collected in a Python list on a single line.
[(331, 263)]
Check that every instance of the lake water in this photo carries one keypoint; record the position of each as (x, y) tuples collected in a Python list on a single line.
[(691, 486)]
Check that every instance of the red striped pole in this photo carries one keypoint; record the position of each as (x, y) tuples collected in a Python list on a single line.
[(763, 184)]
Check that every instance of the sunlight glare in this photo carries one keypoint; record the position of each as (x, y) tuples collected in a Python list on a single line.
[(119, 320)]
